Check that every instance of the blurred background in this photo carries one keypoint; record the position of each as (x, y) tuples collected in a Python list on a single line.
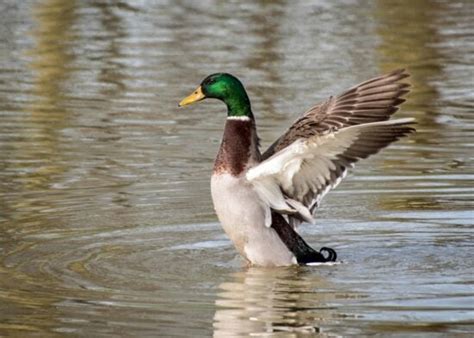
[(106, 222)]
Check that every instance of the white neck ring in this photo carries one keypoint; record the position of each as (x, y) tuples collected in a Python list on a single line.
[(239, 118)]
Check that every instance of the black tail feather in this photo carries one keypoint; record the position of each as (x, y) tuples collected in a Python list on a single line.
[(296, 244)]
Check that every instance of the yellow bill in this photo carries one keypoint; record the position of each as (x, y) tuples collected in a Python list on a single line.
[(197, 95)]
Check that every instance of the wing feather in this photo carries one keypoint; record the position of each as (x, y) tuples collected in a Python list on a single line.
[(307, 175), (370, 101), (297, 177)]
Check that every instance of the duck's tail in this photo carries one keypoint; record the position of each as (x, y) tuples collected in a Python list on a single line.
[(296, 244)]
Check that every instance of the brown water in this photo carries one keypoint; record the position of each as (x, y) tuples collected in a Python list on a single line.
[(106, 222)]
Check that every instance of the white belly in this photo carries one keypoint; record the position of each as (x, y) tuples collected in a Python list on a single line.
[(242, 215)]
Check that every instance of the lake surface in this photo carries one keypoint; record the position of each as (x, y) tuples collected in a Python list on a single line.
[(106, 222)]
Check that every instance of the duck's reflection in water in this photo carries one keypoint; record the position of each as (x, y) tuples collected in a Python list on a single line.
[(263, 301)]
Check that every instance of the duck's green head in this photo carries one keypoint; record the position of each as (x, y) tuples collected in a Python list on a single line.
[(224, 87)]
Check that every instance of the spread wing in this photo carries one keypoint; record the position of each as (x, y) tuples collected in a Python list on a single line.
[(314, 154), (370, 101)]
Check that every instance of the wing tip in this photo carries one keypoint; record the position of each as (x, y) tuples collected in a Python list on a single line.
[(401, 72), (403, 120)]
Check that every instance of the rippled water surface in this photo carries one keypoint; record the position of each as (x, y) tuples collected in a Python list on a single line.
[(106, 222)]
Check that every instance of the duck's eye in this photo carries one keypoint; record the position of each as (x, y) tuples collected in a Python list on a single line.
[(209, 82)]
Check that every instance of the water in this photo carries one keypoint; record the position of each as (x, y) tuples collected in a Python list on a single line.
[(106, 222)]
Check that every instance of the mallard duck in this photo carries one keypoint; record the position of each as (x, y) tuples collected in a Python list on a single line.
[(260, 199)]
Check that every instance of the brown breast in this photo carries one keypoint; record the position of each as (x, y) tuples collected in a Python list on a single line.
[(239, 145)]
